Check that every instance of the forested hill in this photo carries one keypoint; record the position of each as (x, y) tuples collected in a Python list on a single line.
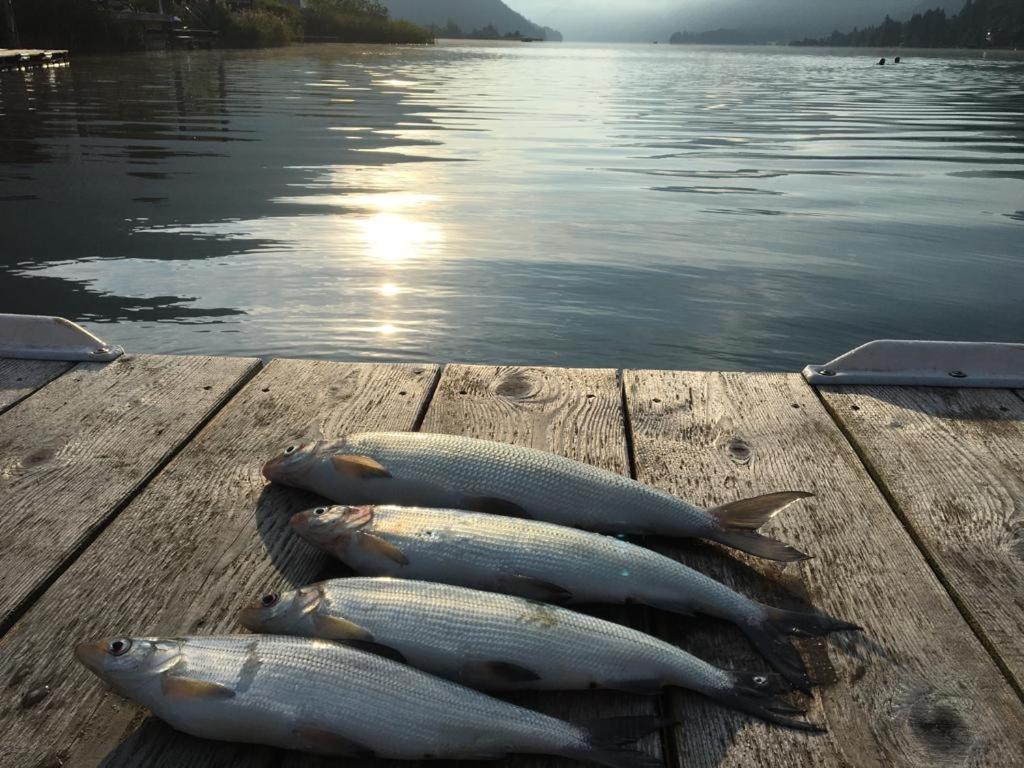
[(468, 15), (979, 24)]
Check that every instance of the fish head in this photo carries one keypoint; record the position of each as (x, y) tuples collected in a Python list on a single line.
[(287, 613), (331, 527), (130, 665), (292, 464)]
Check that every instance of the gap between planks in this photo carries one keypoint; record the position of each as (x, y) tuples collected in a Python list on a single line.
[(877, 477), (36, 592)]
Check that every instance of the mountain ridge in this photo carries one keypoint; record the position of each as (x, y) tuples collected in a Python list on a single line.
[(469, 15)]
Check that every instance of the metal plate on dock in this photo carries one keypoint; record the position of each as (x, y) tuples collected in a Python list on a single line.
[(925, 364)]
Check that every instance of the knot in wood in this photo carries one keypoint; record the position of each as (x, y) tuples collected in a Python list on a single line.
[(516, 385), (939, 728), (739, 450), (37, 457)]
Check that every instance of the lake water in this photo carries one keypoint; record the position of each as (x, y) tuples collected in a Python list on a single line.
[(627, 206)]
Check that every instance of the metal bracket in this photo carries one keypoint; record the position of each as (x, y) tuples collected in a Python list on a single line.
[(925, 364), (38, 337)]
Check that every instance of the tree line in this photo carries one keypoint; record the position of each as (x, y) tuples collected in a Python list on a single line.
[(108, 25), (979, 24), (488, 32)]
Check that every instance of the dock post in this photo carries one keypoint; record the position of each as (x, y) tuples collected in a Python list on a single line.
[(10, 26)]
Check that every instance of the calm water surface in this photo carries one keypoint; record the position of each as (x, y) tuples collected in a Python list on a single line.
[(553, 204)]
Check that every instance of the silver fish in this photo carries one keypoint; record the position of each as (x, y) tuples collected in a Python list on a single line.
[(551, 563), (324, 697), (446, 471), (497, 642)]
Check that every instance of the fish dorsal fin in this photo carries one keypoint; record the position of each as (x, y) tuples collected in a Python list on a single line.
[(374, 545), (378, 649), (361, 467), (326, 742), (492, 505), (537, 589), (180, 687), (336, 628), (498, 674)]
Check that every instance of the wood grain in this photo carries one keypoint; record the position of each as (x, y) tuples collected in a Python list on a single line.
[(20, 378), (952, 461), (73, 453), (916, 688), (204, 538)]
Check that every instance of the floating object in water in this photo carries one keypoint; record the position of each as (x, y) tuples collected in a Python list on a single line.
[(328, 698), (447, 471), (896, 60), (881, 60), (551, 563)]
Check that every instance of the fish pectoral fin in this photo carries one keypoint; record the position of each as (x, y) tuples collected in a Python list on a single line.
[(180, 687), (334, 628), (374, 545), (378, 649), (492, 505), (326, 742), (498, 673), (361, 467), (537, 589)]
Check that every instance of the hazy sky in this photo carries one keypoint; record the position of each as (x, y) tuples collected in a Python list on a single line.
[(657, 19)]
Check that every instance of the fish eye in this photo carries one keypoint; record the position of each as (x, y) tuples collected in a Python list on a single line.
[(119, 647), (291, 449), (319, 511), (269, 599)]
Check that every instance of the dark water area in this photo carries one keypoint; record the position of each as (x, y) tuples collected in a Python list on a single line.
[(628, 206)]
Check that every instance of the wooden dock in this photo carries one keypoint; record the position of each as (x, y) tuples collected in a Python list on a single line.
[(26, 58), (132, 503)]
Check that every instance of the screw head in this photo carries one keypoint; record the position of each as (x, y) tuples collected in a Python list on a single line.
[(827, 372), (101, 350), (958, 374)]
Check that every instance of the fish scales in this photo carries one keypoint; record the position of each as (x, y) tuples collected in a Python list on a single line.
[(320, 696), (448, 471), (548, 562), (594, 568)]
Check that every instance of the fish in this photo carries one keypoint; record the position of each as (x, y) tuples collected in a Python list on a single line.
[(328, 698), (497, 642), (550, 563), (452, 472)]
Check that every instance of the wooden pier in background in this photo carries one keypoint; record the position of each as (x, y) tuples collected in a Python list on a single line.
[(25, 58), (132, 503)]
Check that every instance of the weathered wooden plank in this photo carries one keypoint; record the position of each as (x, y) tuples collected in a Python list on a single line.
[(952, 461), (20, 378), (577, 413), (917, 688), (204, 537), (72, 454), (572, 412)]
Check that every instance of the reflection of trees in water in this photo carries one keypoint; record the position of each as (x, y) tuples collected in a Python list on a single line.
[(98, 158)]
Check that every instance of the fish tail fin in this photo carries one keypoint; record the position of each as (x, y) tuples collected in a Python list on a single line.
[(738, 522), (609, 741), (769, 629), (757, 694)]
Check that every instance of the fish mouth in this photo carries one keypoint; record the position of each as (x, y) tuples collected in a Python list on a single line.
[(276, 470), (300, 519), (91, 655)]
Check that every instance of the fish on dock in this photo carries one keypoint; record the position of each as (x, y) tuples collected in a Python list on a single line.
[(550, 563), (328, 698), (497, 642), (447, 471)]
